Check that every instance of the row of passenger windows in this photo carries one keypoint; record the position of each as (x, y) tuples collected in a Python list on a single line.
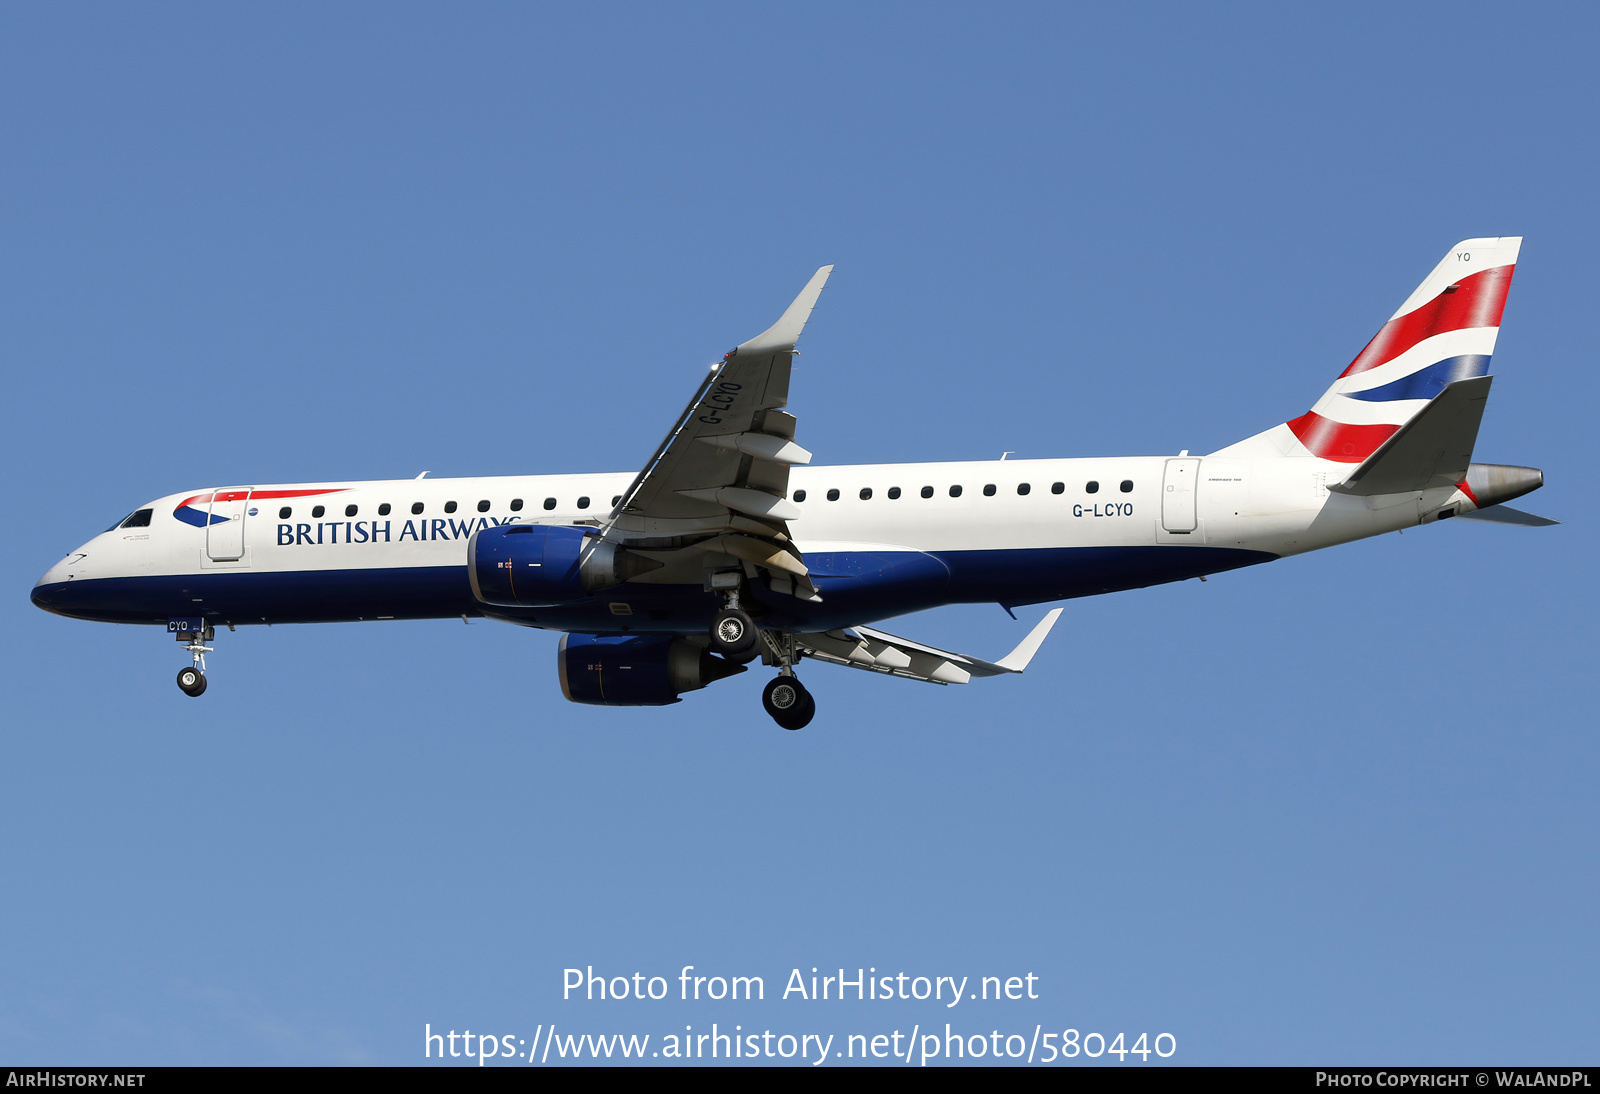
[(418, 507), (989, 489)]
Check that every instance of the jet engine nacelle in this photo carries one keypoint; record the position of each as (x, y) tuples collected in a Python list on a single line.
[(537, 565), (635, 670)]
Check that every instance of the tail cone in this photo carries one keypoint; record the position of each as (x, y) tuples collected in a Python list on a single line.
[(1493, 483)]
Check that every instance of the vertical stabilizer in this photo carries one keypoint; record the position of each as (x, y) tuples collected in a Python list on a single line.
[(1444, 332)]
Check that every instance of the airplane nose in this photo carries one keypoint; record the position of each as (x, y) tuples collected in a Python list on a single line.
[(49, 591), (44, 593)]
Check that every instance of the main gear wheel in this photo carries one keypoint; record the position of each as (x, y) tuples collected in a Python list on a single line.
[(788, 701)]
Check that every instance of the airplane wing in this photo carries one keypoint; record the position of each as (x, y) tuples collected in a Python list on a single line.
[(878, 651), (720, 480)]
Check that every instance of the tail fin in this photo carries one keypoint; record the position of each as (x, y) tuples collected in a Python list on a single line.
[(1445, 331)]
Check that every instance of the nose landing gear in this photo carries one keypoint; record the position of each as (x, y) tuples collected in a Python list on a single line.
[(192, 680)]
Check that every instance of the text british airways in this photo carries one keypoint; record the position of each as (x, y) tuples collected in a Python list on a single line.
[(381, 531)]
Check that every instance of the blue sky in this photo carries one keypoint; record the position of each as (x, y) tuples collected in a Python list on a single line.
[(1338, 809)]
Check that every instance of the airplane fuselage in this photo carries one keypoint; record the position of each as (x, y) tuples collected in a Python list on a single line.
[(880, 540)]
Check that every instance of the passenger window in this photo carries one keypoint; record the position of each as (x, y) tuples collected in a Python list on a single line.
[(833, 495), (1023, 488), (549, 503), (1127, 486), (1057, 487), (516, 505), (317, 511), (988, 490), (799, 495), (416, 507), (449, 507), (349, 510), (483, 506), (583, 502), (285, 513), (1091, 487), (138, 519), (866, 493), (894, 492), (955, 491), (383, 510), (927, 491)]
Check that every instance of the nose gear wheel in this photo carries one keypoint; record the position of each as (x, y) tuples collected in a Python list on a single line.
[(192, 681)]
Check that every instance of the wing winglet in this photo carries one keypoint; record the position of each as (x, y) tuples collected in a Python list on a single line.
[(783, 334), (1018, 659)]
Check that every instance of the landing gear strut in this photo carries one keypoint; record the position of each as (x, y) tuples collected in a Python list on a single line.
[(192, 680), (786, 698)]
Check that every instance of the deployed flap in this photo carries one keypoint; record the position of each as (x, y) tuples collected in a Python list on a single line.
[(1432, 449), (737, 478), (879, 651)]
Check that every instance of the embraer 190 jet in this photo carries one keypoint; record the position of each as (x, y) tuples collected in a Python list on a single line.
[(729, 547)]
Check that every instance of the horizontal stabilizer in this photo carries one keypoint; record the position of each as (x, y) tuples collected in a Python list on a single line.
[(878, 651), (1433, 449), (1504, 514)]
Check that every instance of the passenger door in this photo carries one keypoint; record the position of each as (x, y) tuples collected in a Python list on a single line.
[(1177, 495), (225, 524)]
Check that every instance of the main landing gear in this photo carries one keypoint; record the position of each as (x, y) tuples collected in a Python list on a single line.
[(192, 680), (785, 697), (736, 637), (733, 633), (788, 701)]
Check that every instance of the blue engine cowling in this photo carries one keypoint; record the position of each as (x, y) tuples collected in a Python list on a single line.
[(641, 670), (536, 565)]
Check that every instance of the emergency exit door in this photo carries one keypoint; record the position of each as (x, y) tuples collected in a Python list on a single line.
[(1178, 495), (225, 524)]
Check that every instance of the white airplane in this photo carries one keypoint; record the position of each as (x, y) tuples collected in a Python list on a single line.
[(728, 547)]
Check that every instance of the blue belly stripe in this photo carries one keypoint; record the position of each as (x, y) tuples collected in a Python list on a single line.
[(851, 589)]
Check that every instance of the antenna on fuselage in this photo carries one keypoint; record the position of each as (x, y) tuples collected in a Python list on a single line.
[(421, 476)]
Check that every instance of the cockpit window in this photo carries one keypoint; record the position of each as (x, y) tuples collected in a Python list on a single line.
[(138, 519)]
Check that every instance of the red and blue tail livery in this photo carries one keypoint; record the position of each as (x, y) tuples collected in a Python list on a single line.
[(1444, 332)]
